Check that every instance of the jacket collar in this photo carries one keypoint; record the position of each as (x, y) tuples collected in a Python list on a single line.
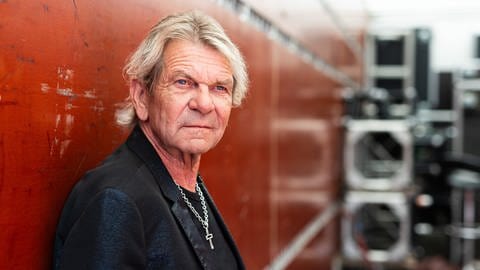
[(139, 144)]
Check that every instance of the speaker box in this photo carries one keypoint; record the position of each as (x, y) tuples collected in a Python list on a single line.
[(376, 226), (378, 154)]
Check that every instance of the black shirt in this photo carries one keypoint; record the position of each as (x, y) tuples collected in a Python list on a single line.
[(221, 257)]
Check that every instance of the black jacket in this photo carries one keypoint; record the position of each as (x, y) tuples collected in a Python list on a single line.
[(126, 214)]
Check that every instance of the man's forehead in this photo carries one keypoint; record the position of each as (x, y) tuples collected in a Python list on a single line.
[(198, 72), (197, 50)]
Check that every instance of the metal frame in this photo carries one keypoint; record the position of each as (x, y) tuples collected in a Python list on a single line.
[(404, 72), (461, 86)]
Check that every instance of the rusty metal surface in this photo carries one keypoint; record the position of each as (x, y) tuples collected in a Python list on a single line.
[(60, 82)]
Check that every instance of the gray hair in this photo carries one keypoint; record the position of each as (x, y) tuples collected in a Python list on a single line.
[(145, 64)]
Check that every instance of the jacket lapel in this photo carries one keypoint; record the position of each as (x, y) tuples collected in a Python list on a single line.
[(170, 190), (185, 220)]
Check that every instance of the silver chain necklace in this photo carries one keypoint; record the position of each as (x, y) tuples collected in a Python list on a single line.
[(204, 221)]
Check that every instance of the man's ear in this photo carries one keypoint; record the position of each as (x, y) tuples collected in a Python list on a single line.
[(139, 97)]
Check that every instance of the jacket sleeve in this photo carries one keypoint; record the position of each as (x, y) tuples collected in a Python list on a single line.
[(107, 235)]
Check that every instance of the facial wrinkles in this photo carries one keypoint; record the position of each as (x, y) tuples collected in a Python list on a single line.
[(207, 68), (203, 68)]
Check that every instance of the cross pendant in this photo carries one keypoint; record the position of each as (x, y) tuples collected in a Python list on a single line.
[(209, 237)]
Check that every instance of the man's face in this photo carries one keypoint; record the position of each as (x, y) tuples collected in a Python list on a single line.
[(189, 109)]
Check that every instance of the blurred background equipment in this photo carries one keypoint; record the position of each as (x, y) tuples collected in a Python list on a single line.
[(378, 160), (463, 175), (411, 155)]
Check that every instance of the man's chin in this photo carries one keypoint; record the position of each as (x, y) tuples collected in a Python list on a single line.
[(198, 145), (198, 149)]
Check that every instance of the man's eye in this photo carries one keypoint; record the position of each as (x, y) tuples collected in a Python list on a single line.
[(182, 82), (185, 83), (221, 88)]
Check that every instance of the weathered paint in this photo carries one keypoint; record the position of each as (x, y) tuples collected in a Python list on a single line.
[(277, 167)]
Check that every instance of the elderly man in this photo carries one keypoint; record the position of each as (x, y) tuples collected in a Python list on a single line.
[(145, 206)]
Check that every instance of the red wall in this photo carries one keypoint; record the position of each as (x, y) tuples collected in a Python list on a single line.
[(60, 80)]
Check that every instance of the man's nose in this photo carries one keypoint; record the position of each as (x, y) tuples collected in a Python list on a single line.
[(202, 100)]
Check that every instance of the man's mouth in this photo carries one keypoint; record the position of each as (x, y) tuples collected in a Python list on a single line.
[(198, 126)]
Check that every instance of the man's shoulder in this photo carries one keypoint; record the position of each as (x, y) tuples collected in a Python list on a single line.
[(121, 164), (121, 175), (121, 171)]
